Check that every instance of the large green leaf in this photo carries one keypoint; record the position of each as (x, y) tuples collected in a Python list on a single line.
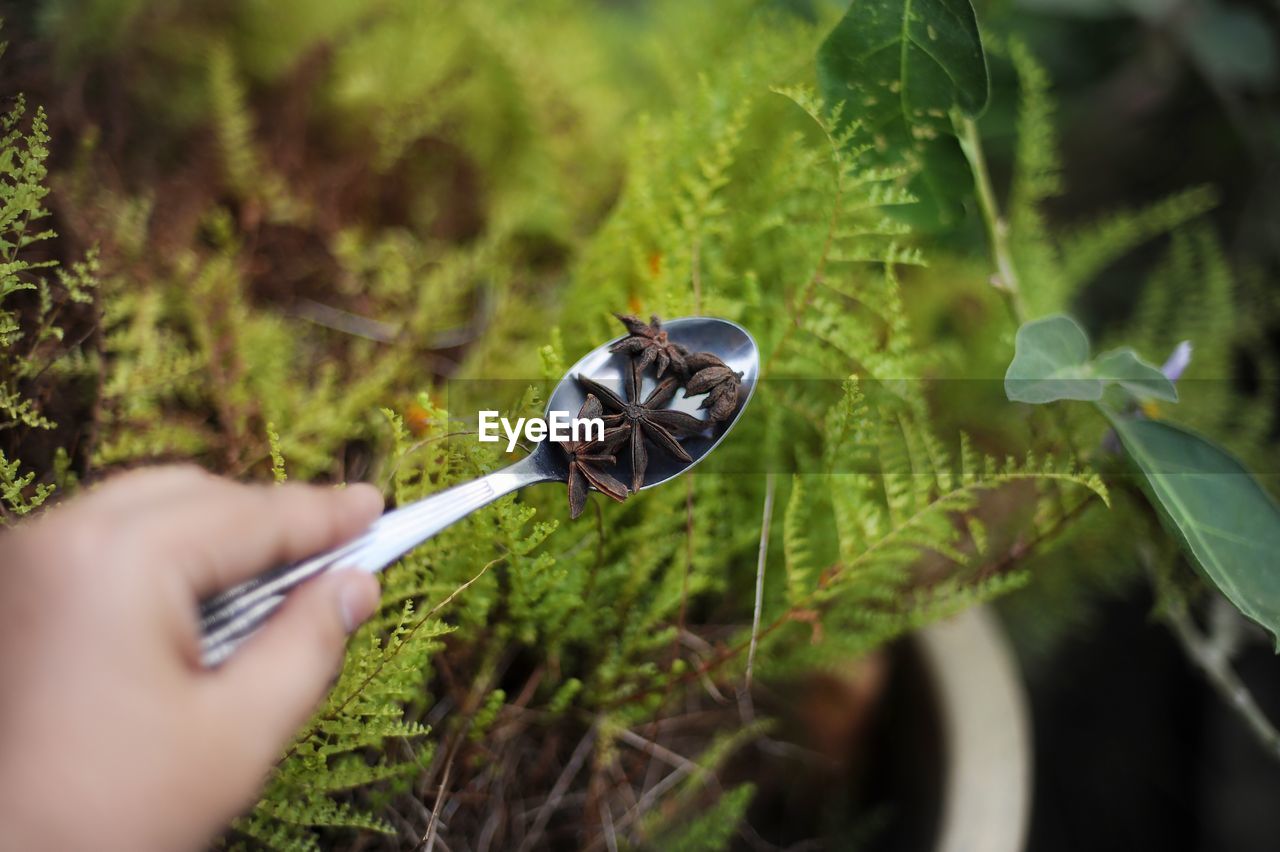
[(899, 67), (911, 60), (1224, 518), (1051, 362)]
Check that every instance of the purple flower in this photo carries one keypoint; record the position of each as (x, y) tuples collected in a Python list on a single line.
[(1178, 361)]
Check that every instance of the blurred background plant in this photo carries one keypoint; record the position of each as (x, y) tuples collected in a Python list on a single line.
[(306, 240)]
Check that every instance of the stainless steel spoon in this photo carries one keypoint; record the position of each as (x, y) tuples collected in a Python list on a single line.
[(231, 617)]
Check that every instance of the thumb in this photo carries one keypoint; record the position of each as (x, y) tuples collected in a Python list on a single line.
[(271, 686)]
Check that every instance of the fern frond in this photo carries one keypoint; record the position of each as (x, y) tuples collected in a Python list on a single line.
[(712, 828), (245, 173), (1036, 178), (277, 457), (1192, 295), (34, 351), (951, 597), (1037, 162), (918, 508), (1092, 248), (20, 492), (796, 546)]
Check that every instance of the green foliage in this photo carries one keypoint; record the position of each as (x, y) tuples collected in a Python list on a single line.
[(246, 176), (1193, 295), (901, 67), (1051, 362), (1058, 272), (710, 829), (1220, 513), (1222, 516), (188, 351), (1037, 162), (1055, 269), (35, 298), (911, 543), (686, 822), (361, 717), (278, 472), (882, 508), (1096, 560), (905, 61), (20, 492), (1089, 249)]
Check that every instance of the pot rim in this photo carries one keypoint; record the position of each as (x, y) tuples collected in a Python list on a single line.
[(985, 721)]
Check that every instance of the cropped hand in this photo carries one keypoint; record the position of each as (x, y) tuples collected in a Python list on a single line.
[(112, 734)]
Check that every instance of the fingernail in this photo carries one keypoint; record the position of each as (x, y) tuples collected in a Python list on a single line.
[(358, 598)]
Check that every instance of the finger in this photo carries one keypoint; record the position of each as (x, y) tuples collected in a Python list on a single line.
[(136, 490), (273, 683), (227, 533), (106, 518)]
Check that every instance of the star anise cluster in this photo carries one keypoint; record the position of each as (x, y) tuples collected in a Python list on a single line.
[(641, 423)]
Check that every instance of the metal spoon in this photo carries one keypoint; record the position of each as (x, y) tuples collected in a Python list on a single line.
[(231, 617)]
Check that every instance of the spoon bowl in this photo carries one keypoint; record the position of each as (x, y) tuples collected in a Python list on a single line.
[(728, 341)]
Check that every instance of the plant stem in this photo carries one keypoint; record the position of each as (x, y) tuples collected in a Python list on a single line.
[(429, 839), (1217, 669), (576, 760), (1006, 279), (761, 559), (695, 273), (1207, 653)]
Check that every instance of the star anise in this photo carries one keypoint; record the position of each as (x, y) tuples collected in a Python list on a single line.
[(648, 419), (709, 375), (648, 344), (587, 458)]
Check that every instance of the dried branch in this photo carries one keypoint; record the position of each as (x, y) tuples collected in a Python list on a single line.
[(762, 557), (429, 839), (652, 749), (1211, 654), (558, 791)]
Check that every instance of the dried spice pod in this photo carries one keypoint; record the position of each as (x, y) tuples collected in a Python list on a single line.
[(646, 420), (648, 344), (709, 375), (587, 459)]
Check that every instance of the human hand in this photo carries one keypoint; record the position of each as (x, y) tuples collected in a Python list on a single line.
[(112, 734)]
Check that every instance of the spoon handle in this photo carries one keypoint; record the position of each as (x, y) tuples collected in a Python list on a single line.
[(231, 617)]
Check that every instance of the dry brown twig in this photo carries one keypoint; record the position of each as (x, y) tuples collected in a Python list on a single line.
[(559, 790)]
